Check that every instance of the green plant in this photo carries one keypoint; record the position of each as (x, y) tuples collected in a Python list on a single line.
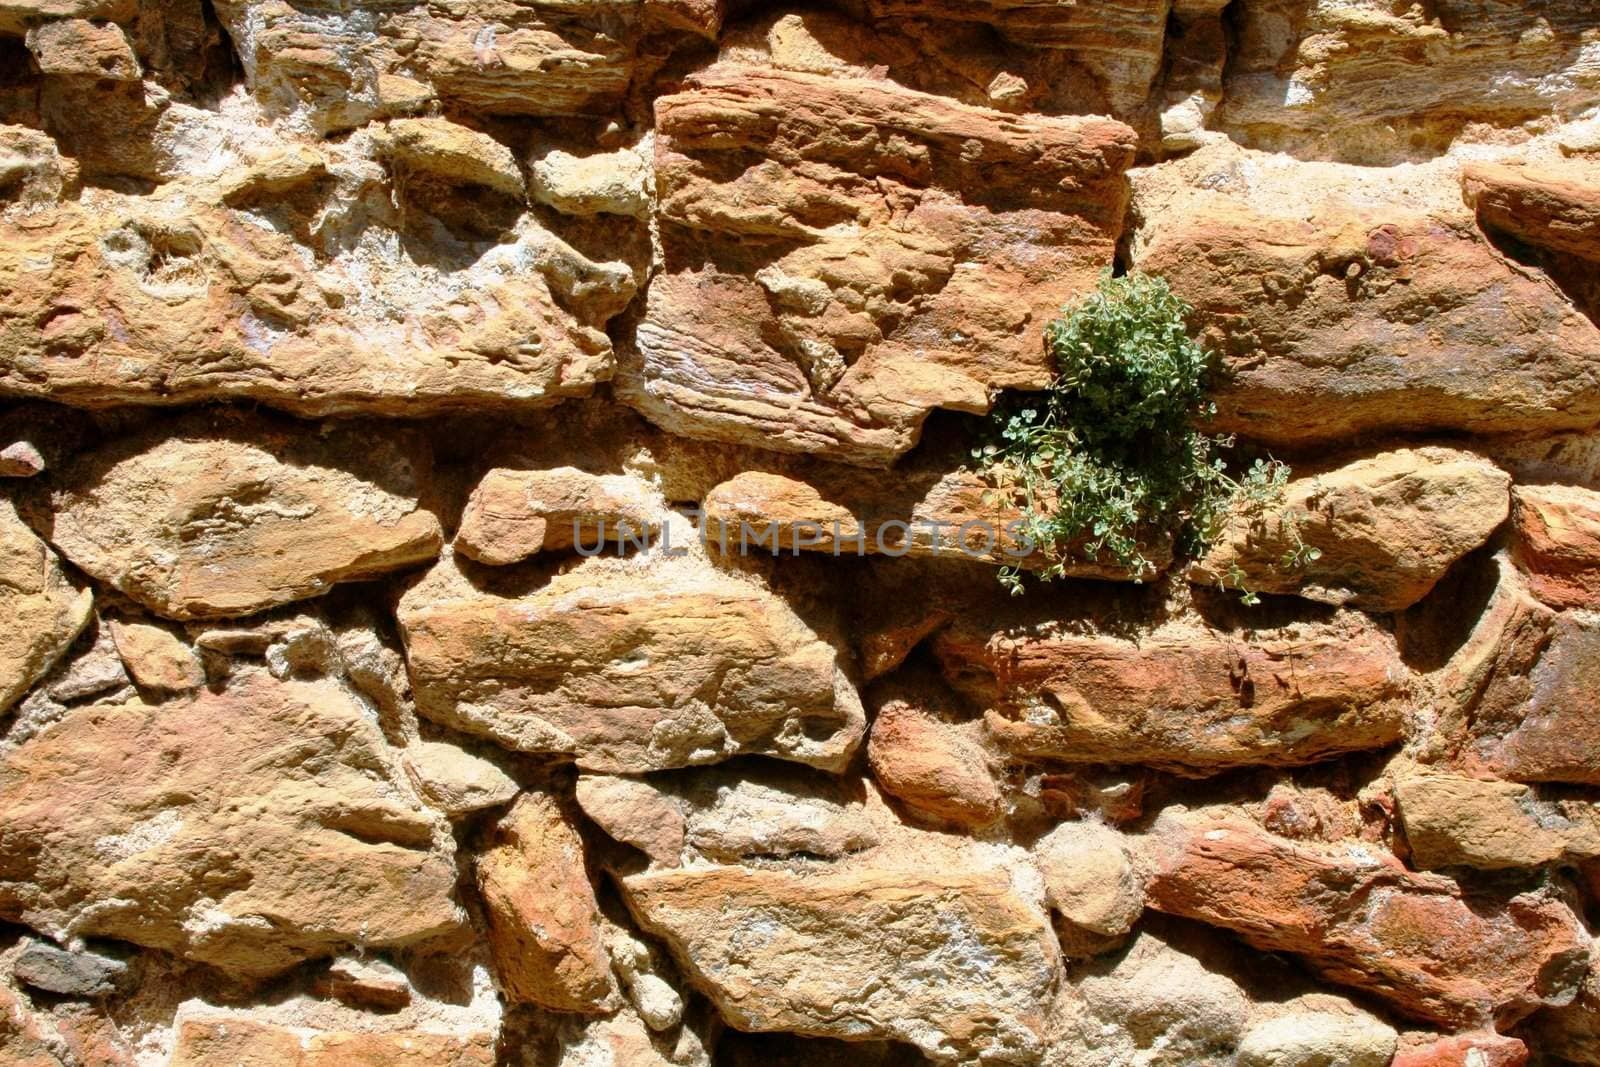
[(1108, 461)]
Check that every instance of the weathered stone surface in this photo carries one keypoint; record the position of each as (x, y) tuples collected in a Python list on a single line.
[(918, 508), (1386, 528), (513, 514), (73, 974), (953, 961), (1120, 42), (454, 781), (249, 828), (1090, 882), (601, 183), (450, 151), (47, 610), (822, 288), (1553, 208), (1321, 1030), (333, 71), (1486, 1049), (1521, 689), (923, 755), (217, 518), (79, 48), (1375, 84), (33, 173), (1452, 820), (366, 982), (628, 665), (1558, 543), (1571, 1031), (232, 1041), (729, 815), (435, 289), (544, 923), (1359, 918), (1341, 305), (20, 460), (156, 657), (1181, 693), (1155, 1004)]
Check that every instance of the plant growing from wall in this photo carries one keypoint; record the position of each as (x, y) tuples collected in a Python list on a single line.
[(1108, 461)]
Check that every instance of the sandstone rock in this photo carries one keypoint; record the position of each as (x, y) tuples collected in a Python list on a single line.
[(543, 918), (1121, 42), (208, 519), (627, 665), (22, 1040), (1522, 690), (822, 289), (611, 183), (512, 515), (637, 813), (84, 49), (33, 174), (1487, 1049), (659, 1005), (88, 672), (1570, 1031), (953, 961), (1557, 209), (1090, 883), (1156, 1004), (926, 758), (727, 815), (1365, 311), (156, 657), (46, 609), (456, 782), (1385, 527), (232, 1041), (1181, 694), (1318, 1032), (1377, 85), (249, 829), (17, 15), (455, 153), (1558, 543), (1457, 821), (623, 1039), (329, 71), (20, 460), (72, 974), (367, 982), (922, 509), (438, 297), (1359, 918)]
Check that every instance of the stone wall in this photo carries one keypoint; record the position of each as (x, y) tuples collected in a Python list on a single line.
[(341, 726)]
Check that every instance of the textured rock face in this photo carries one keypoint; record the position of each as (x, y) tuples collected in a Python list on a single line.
[(1359, 918), (820, 292), (500, 537), (879, 944), (628, 667), (1376, 313), (1384, 529), (47, 610), (543, 919), (241, 1043), (229, 520), (1182, 695), (140, 822)]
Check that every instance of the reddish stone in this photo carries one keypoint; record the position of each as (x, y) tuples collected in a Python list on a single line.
[(1359, 918), (1494, 1050)]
